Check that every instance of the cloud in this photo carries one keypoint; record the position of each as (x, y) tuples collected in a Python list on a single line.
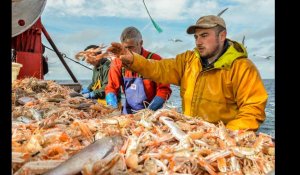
[(74, 24), (159, 9), (266, 68), (94, 8)]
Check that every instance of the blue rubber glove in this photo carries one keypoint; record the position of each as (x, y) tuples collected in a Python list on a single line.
[(86, 95), (90, 95), (111, 99), (156, 103), (85, 90)]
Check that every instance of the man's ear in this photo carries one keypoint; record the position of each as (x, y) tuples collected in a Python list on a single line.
[(141, 42), (223, 35)]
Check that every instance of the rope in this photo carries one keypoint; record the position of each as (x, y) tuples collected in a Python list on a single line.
[(65, 56), (153, 22)]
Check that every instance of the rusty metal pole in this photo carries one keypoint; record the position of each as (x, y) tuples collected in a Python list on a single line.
[(58, 53)]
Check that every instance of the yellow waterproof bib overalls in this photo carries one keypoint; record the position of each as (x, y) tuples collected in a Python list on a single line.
[(97, 85)]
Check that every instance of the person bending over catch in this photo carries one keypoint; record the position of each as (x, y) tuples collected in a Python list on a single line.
[(140, 92)]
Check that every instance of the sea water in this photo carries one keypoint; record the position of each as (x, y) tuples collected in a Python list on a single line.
[(268, 126)]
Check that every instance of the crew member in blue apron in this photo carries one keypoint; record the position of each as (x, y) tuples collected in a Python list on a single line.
[(140, 92)]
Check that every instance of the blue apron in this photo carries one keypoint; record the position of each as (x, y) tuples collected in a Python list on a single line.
[(135, 96)]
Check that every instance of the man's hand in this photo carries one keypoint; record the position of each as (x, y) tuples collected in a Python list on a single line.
[(90, 95), (85, 90), (120, 51)]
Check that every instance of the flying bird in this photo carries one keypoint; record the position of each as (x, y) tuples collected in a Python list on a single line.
[(243, 41), (268, 57), (263, 56), (222, 12), (175, 40)]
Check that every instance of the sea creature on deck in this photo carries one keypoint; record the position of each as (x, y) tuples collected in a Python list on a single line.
[(92, 55)]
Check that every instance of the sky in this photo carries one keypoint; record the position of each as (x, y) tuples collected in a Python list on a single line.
[(75, 24)]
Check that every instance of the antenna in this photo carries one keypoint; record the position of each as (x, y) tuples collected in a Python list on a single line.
[(222, 12)]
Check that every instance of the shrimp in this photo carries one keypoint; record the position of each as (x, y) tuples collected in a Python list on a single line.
[(206, 165), (93, 55), (182, 137), (175, 130), (131, 155), (247, 134), (219, 154), (222, 164)]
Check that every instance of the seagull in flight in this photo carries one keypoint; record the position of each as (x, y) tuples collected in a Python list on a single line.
[(175, 40), (263, 56), (219, 14), (243, 41)]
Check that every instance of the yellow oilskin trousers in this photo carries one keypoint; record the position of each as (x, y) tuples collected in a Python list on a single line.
[(97, 85)]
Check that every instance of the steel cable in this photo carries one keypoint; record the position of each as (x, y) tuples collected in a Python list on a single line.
[(65, 56)]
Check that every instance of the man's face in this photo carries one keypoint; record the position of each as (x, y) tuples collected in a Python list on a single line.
[(207, 42), (133, 45)]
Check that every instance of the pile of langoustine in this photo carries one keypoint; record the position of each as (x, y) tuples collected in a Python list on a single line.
[(94, 55), (160, 142), (43, 111)]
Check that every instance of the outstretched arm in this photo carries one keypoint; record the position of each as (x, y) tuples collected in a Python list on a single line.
[(155, 70)]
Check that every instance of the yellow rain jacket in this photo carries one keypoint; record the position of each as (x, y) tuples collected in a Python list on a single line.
[(231, 91)]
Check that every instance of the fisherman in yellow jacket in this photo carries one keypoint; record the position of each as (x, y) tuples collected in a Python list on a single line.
[(217, 81)]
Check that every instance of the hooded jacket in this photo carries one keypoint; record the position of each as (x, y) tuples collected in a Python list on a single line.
[(231, 90), (151, 88), (100, 72)]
